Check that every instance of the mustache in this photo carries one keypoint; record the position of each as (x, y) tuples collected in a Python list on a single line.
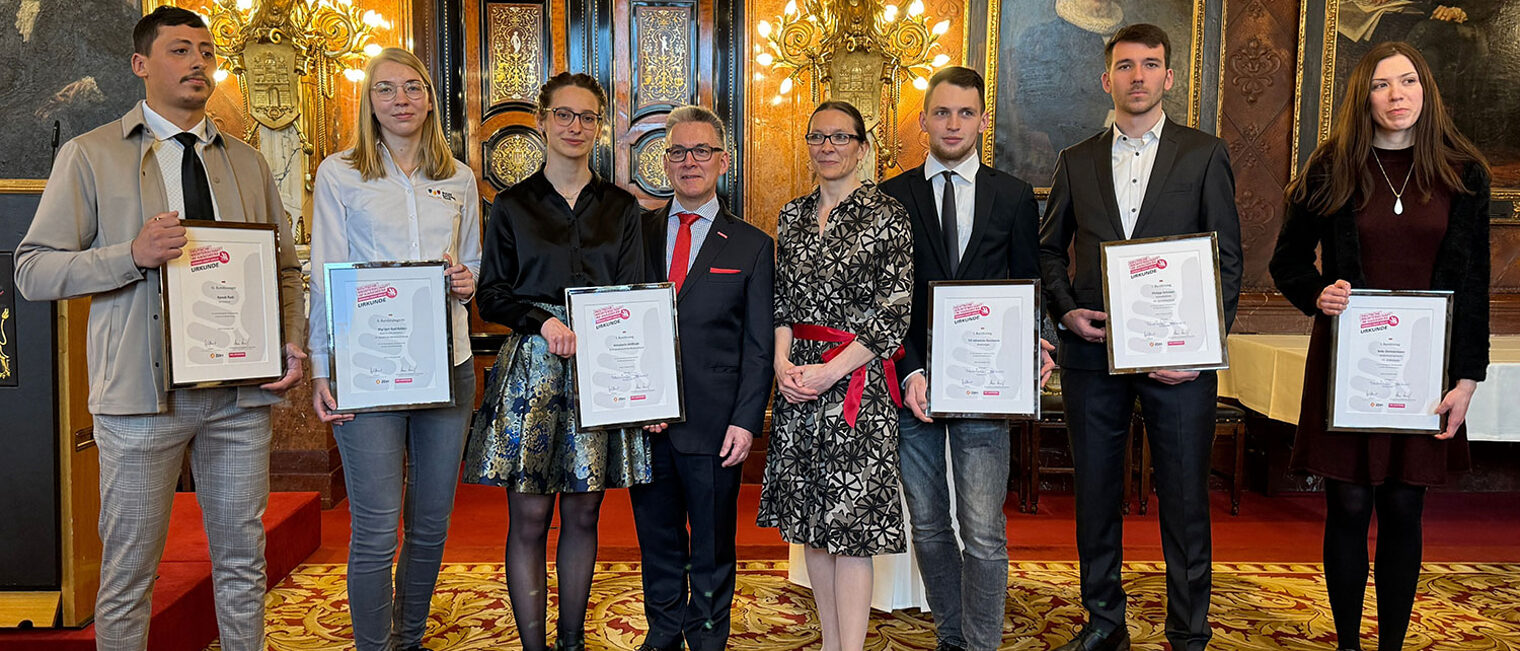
[(195, 76)]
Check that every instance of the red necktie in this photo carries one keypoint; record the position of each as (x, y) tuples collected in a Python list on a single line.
[(681, 256)]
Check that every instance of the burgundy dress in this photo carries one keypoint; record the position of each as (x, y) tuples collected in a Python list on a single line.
[(1397, 252)]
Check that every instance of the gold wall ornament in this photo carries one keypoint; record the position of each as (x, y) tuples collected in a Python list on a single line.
[(515, 158), (5, 360), (273, 88), (664, 55), (861, 51), (649, 166), (515, 35)]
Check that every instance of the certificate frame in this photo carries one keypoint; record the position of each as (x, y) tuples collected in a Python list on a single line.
[(213, 246), (593, 310), (1366, 304), (1203, 245), (970, 300), (352, 285)]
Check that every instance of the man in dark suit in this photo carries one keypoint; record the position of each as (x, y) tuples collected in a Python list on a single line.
[(1145, 177), (970, 222), (722, 269)]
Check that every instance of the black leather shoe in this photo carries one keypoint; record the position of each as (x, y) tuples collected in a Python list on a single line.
[(1095, 640), (946, 646), (570, 641), (650, 647)]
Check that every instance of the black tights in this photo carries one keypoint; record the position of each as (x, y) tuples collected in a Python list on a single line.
[(1398, 508), (527, 569)]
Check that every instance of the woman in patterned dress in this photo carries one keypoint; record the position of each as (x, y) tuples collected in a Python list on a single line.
[(1393, 140), (561, 227), (843, 287)]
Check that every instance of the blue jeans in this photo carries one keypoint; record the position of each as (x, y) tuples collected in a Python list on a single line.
[(381, 450), (967, 586)]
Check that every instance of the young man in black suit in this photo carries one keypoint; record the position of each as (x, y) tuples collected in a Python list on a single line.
[(723, 269), (1145, 177), (970, 222)]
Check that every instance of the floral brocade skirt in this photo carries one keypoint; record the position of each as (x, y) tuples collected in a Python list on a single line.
[(525, 438)]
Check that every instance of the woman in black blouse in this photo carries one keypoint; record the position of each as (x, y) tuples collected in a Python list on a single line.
[(561, 227), (1396, 198)]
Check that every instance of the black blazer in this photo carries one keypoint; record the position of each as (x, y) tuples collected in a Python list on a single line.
[(1462, 266), (726, 322), (1191, 190), (1004, 243)]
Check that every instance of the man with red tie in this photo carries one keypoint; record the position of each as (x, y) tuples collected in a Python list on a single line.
[(722, 269)]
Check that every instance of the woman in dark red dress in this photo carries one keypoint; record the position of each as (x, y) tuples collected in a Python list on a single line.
[(1396, 198)]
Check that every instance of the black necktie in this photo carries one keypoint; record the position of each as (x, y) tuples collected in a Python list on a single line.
[(192, 178), (948, 222)]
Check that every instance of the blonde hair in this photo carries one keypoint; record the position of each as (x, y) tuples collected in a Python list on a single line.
[(434, 157)]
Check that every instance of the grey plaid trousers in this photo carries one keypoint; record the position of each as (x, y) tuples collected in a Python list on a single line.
[(140, 459)]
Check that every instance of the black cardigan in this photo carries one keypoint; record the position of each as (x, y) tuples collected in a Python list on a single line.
[(1462, 265)]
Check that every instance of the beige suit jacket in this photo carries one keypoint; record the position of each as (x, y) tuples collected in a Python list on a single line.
[(105, 184)]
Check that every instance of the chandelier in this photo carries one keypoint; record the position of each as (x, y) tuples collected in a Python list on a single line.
[(316, 40), (862, 50), (288, 56)]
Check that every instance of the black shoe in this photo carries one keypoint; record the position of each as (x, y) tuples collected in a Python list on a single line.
[(1095, 640), (650, 647), (570, 641), (946, 646), (415, 648)]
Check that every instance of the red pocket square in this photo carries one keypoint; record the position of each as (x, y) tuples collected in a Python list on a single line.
[(721, 270)]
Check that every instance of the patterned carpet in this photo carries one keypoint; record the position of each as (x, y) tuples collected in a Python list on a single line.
[(1465, 607)]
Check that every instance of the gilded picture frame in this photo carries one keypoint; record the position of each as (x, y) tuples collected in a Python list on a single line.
[(1016, 142)]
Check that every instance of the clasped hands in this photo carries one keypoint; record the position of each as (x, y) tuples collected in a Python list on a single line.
[(799, 384)]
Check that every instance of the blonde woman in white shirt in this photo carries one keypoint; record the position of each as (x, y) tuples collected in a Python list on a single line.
[(397, 195)]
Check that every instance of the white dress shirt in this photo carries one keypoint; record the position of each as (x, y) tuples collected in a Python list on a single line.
[(708, 212), (965, 195), (1133, 160), (393, 218), (170, 155)]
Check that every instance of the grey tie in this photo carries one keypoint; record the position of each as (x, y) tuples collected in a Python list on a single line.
[(948, 223)]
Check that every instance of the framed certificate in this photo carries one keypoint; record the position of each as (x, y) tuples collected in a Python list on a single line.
[(1388, 361), (391, 338), (627, 360), (221, 304), (1165, 304), (984, 352)]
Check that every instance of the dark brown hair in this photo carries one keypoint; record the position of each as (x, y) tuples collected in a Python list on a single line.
[(1143, 33), (146, 30), (1339, 164), (958, 76), (578, 80), (845, 108)]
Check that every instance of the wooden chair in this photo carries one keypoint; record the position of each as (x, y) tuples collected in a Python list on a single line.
[(1053, 419), (1231, 424)]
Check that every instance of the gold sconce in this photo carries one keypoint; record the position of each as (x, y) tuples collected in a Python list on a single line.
[(862, 50), (287, 56)]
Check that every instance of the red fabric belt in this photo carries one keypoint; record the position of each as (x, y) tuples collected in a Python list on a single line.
[(857, 390)]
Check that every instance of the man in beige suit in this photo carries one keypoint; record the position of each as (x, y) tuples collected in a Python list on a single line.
[(108, 220)]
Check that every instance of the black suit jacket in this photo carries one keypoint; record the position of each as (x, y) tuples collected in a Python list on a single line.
[(1004, 242), (726, 326), (1191, 190), (1462, 265)]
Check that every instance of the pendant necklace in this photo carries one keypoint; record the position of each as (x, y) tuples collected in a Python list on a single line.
[(1398, 195)]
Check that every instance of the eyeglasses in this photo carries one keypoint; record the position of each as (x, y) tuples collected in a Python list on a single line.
[(386, 91), (839, 139), (563, 117), (699, 153)]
